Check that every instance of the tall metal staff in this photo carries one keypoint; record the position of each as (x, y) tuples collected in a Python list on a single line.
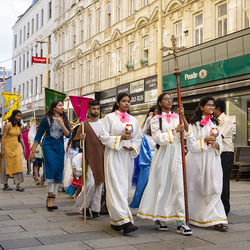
[(177, 74)]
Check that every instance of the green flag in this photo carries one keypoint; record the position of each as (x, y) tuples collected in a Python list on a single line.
[(51, 95)]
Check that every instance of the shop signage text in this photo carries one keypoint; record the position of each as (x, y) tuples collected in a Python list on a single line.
[(107, 101), (137, 86)]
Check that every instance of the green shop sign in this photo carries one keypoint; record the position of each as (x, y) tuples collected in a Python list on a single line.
[(215, 71)]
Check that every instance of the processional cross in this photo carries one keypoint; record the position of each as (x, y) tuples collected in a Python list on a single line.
[(177, 74)]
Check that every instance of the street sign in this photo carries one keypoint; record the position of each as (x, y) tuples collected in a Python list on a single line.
[(39, 59)]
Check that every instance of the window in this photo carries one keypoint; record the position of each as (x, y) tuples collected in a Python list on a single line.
[(144, 3), (74, 36), (132, 53), (178, 34), (50, 10), (42, 16), (37, 22), (20, 38), (20, 64), (81, 76), (144, 59), (49, 39), (23, 90), (90, 26), (36, 87), (109, 16), (19, 89), (108, 65), (198, 29), (119, 61), (36, 50), (27, 59), (24, 33), (246, 15), (23, 61), (222, 20), (98, 69), (15, 42), (119, 9), (31, 55), (99, 21), (14, 67), (89, 72), (131, 7), (28, 30), (41, 82), (41, 51), (31, 87), (14, 90), (49, 79), (82, 31), (27, 90), (32, 26)]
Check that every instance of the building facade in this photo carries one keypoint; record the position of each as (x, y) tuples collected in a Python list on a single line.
[(29, 78)]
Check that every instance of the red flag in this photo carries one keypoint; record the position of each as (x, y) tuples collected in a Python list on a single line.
[(26, 142), (80, 105)]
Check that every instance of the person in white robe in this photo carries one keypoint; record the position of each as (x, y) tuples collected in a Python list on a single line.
[(203, 167), (121, 149), (163, 198)]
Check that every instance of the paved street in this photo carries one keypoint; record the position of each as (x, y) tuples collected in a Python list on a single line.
[(26, 224)]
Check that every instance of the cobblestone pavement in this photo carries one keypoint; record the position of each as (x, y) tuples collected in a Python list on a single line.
[(26, 224)]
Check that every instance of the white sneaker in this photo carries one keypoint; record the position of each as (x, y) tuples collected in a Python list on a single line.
[(162, 225), (184, 229)]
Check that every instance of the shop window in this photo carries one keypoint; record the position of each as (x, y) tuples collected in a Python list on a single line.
[(119, 10), (178, 34), (109, 16), (221, 20), (246, 15), (198, 29)]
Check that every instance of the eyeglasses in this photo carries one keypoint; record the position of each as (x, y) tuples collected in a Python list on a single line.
[(168, 99), (210, 105)]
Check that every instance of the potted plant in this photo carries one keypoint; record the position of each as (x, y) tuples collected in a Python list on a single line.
[(130, 66), (144, 61)]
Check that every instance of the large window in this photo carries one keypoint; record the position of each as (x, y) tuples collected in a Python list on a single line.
[(28, 91), (42, 17), (178, 34), (198, 29), (31, 55), (90, 27), (74, 36), (132, 54), (28, 59), (246, 13), (50, 10), (15, 41), (24, 33), (82, 31), (108, 65), (28, 30), (32, 26), (144, 59), (119, 61), (109, 16), (99, 21), (37, 21), (221, 20), (20, 64), (23, 61), (119, 10), (41, 83), (20, 38), (36, 87)]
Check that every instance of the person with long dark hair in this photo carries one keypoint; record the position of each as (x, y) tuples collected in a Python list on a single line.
[(163, 198), (12, 152), (204, 172), (121, 135), (55, 124)]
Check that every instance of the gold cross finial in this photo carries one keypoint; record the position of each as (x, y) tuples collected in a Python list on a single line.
[(175, 50)]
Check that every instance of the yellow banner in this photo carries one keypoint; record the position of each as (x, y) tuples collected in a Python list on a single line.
[(8, 97), (14, 106)]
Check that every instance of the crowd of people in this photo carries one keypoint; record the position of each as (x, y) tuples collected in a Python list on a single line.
[(109, 147)]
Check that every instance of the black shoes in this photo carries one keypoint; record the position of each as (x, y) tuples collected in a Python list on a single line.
[(51, 208), (127, 228)]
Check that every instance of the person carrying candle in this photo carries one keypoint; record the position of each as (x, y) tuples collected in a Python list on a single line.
[(121, 135), (203, 166)]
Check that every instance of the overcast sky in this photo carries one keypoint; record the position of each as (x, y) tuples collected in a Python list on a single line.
[(10, 10)]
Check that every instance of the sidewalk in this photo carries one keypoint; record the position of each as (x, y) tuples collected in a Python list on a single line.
[(26, 224)]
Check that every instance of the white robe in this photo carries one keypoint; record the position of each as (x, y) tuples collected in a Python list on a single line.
[(118, 166), (204, 178), (93, 192), (163, 198)]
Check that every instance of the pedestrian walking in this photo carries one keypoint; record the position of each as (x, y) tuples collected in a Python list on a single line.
[(11, 152), (121, 136), (204, 172), (227, 155), (55, 123), (165, 184)]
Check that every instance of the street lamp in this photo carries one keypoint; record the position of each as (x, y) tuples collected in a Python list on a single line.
[(2, 97), (47, 61)]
